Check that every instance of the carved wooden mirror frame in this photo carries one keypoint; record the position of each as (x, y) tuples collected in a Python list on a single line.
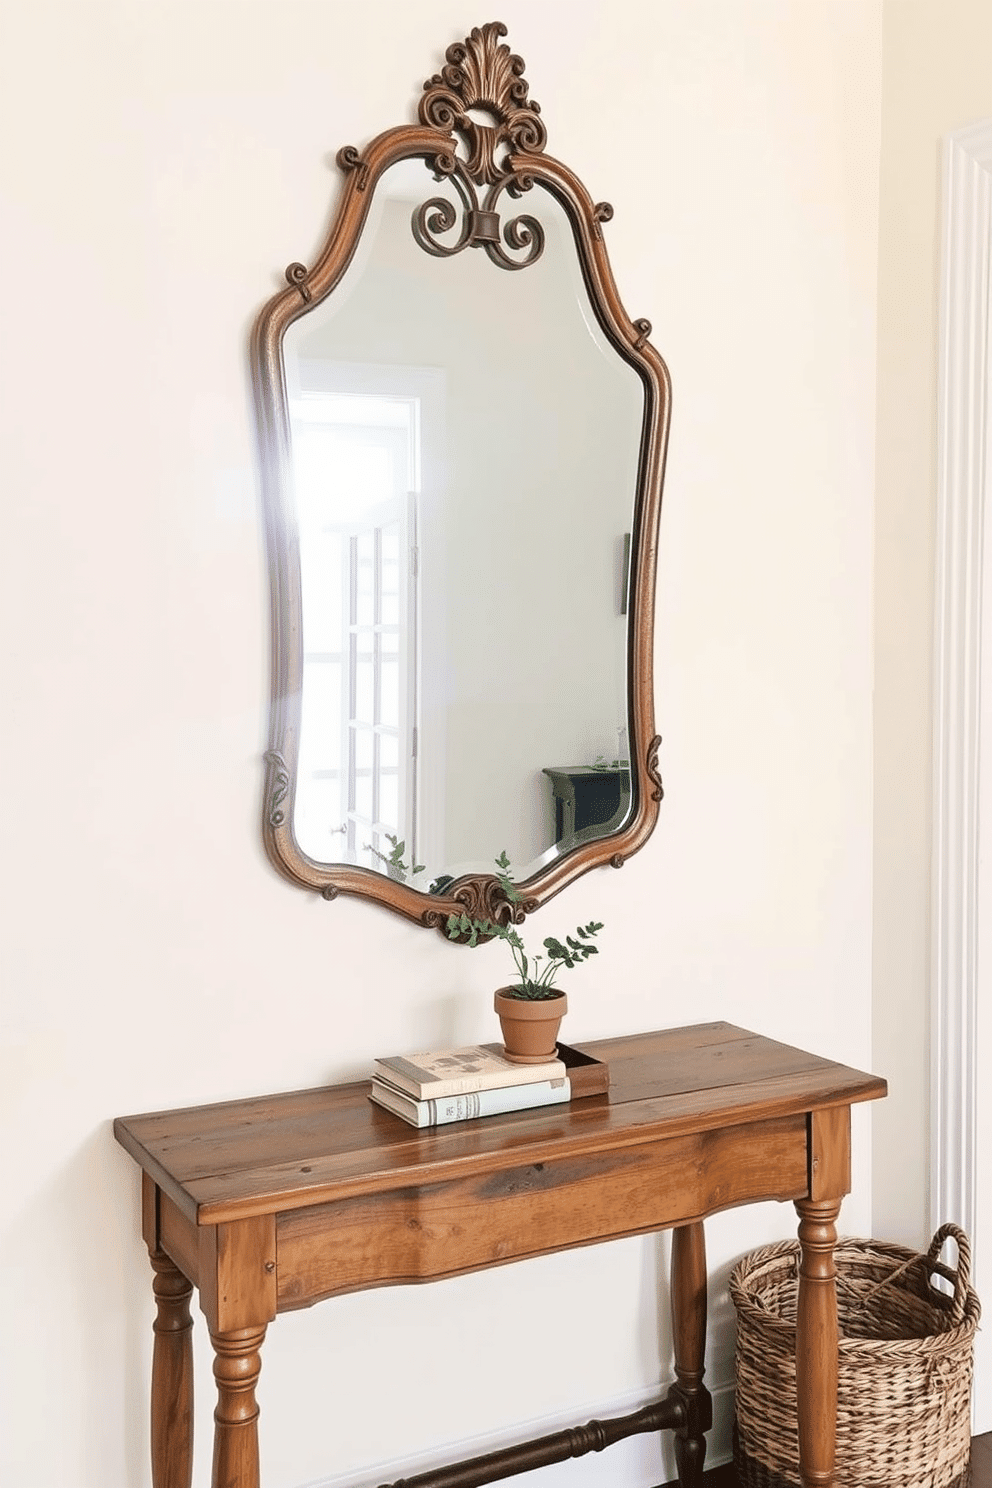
[(481, 79)]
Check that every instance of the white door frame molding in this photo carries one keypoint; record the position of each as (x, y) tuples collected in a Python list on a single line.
[(962, 633)]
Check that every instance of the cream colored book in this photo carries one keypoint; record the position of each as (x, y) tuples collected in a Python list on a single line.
[(442, 1072), (475, 1103)]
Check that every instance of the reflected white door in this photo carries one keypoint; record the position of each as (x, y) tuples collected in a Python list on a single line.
[(356, 795), (378, 700)]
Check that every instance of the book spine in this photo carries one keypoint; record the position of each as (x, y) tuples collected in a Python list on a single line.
[(469, 1084), (452, 1108), (495, 1102)]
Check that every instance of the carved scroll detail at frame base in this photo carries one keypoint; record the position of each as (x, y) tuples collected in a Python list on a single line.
[(482, 897)]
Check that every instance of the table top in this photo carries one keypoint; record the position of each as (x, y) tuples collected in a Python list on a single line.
[(230, 1161)]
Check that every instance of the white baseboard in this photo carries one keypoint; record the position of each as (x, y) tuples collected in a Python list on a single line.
[(643, 1461)]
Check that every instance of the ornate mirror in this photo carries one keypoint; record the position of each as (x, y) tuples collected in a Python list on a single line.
[(463, 439)]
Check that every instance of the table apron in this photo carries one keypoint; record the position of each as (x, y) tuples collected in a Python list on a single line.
[(431, 1230)]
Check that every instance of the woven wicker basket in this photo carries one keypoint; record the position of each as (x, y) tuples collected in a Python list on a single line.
[(904, 1380)]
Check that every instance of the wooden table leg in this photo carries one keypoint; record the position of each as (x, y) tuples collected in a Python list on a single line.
[(172, 1377), (689, 1331), (816, 1342), (237, 1365)]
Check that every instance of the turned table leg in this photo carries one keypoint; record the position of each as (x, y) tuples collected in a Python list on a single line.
[(237, 1365), (172, 1377), (689, 1330), (816, 1342)]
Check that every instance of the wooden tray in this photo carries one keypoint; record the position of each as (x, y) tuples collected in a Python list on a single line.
[(589, 1076)]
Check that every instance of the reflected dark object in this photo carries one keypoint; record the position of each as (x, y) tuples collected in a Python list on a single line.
[(588, 799)]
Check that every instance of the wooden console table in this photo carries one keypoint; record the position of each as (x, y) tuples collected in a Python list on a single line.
[(270, 1204)]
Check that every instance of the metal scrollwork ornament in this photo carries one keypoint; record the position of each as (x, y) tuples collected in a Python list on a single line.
[(482, 77)]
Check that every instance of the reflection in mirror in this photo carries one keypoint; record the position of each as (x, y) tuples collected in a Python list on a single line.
[(463, 455), (464, 458)]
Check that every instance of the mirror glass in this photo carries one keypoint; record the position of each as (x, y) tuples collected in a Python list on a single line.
[(464, 453)]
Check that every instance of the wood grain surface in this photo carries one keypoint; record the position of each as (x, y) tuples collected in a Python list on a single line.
[(282, 1152), (430, 1231)]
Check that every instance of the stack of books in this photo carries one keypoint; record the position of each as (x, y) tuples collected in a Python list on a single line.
[(458, 1084)]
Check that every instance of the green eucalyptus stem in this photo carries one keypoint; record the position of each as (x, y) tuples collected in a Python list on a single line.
[(536, 974)]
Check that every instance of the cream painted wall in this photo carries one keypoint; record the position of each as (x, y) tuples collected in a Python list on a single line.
[(936, 78), (161, 164)]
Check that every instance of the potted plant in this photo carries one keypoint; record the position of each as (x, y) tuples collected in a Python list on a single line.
[(530, 1009)]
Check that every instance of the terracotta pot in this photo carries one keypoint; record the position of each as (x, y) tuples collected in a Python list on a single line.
[(530, 1028)]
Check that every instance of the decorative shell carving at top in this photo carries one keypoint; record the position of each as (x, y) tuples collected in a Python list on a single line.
[(482, 73)]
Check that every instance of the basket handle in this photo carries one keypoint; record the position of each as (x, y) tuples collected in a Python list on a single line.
[(960, 1277)]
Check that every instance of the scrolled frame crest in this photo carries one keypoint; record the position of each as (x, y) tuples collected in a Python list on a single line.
[(478, 127)]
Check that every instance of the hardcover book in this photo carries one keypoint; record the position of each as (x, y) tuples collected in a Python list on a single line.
[(443, 1072), (444, 1109)]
